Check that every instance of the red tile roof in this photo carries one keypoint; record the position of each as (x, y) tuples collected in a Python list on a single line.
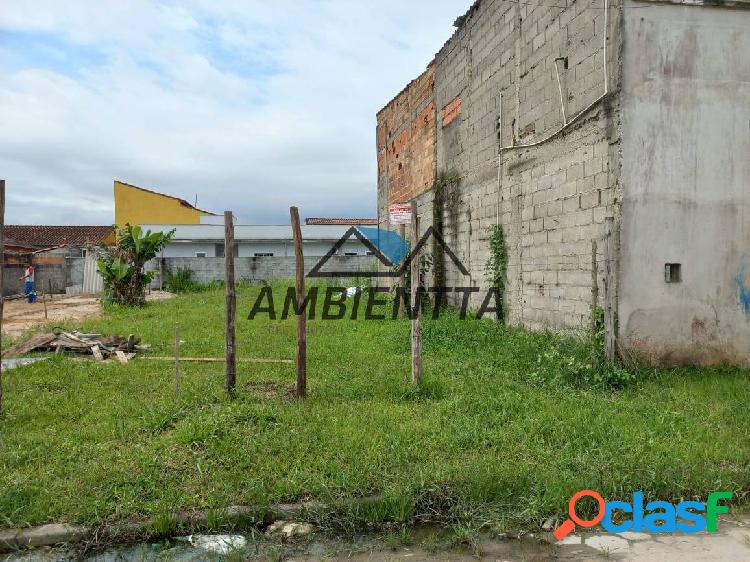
[(317, 220), (44, 236)]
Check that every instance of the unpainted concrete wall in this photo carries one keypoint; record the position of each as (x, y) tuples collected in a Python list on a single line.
[(552, 199), (253, 269), (53, 271), (686, 184)]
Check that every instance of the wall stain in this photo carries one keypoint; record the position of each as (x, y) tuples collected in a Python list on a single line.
[(743, 284)]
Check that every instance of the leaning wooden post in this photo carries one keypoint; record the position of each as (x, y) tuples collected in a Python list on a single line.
[(302, 316), (231, 352), (402, 280), (416, 328), (2, 269), (610, 301), (177, 358)]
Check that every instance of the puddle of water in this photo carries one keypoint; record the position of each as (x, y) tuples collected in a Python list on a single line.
[(731, 543), (20, 362)]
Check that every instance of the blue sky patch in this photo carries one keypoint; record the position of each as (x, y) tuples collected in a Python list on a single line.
[(48, 51)]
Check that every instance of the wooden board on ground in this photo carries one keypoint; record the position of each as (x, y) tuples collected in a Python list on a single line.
[(76, 342), (97, 353), (29, 345)]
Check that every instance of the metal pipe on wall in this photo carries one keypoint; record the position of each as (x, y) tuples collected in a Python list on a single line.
[(583, 111)]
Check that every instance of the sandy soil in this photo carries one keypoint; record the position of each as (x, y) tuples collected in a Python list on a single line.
[(19, 315)]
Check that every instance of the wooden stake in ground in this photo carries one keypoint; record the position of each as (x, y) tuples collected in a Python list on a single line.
[(231, 353), (2, 268), (402, 279), (302, 316), (44, 302), (177, 358), (416, 328)]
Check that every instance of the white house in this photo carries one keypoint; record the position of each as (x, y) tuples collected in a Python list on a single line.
[(253, 240)]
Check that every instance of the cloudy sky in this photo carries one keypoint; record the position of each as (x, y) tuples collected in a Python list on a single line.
[(248, 105)]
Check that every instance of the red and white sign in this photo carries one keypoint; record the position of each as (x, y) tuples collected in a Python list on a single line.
[(399, 214)]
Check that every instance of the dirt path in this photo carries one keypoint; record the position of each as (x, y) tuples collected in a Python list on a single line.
[(19, 315)]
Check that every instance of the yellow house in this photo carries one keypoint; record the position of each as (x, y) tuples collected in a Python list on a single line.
[(136, 205)]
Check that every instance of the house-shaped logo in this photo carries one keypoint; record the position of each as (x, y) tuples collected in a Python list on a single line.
[(388, 247)]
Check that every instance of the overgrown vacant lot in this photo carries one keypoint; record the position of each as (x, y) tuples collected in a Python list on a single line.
[(500, 433)]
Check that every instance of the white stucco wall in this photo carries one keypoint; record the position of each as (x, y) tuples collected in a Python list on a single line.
[(686, 183), (188, 249)]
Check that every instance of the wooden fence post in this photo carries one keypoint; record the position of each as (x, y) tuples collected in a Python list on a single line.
[(610, 292), (416, 328), (302, 316), (231, 352), (2, 269)]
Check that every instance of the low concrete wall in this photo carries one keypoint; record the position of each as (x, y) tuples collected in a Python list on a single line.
[(206, 270), (62, 272)]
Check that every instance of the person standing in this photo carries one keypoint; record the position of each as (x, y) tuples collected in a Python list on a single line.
[(28, 279)]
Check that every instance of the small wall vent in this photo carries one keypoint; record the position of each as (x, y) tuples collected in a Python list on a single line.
[(672, 272)]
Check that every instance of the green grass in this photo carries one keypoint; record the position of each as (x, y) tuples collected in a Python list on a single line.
[(500, 434)]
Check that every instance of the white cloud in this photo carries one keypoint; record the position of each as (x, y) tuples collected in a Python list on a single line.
[(253, 106)]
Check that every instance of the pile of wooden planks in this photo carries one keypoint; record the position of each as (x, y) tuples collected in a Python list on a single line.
[(101, 348)]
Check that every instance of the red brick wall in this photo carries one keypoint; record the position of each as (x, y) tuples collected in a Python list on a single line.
[(451, 111), (406, 141)]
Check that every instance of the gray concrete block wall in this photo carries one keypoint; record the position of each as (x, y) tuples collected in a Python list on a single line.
[(267, 268), (551, 199), (50, 276)]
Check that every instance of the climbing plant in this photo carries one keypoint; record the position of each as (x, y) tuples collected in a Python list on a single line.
[(440, 189), (497, 267)]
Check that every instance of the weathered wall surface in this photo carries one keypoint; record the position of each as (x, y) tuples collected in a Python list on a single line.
[(686, 174), (257, 269), (60, 272), (406, 143), (53, 271), (551, 199)]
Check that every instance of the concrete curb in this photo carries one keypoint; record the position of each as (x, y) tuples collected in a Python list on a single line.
[(44, 535)]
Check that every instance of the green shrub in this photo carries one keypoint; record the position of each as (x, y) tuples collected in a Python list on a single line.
[(181, 281)]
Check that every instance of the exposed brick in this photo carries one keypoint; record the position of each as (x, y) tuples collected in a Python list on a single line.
[(552, 198)]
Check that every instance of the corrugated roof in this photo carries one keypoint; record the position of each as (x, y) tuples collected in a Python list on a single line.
[(46, 236), (350, 222)]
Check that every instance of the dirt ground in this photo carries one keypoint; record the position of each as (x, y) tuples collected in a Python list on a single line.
[(19, 315)]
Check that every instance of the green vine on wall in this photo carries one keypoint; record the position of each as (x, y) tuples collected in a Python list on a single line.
[(497, 267), (440, 187)]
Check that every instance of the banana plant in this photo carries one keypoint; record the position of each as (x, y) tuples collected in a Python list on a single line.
[(121, 266)]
